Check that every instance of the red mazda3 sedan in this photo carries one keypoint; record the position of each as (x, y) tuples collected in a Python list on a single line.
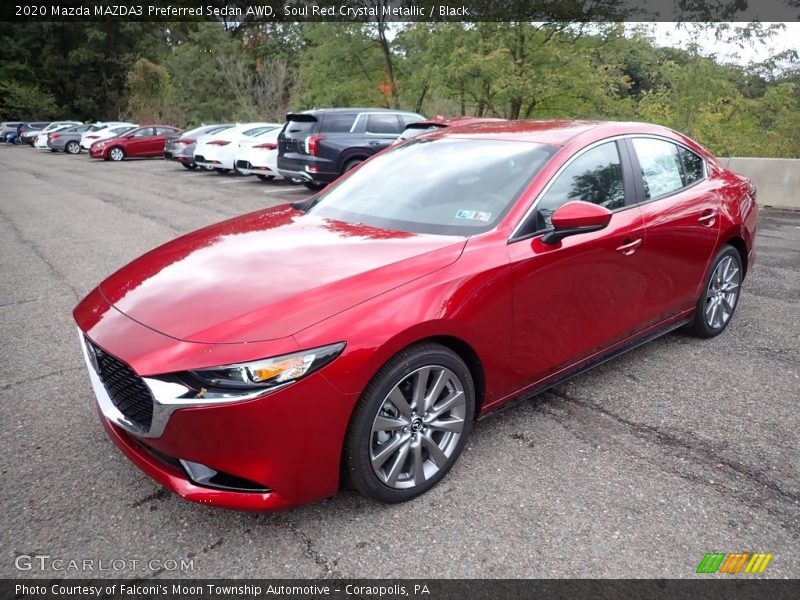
[(361, 332)]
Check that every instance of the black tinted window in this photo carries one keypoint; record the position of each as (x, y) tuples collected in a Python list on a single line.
[(383, 124), (338, 122), (300, 129), (143, 132), (692, 166), (595, 176)]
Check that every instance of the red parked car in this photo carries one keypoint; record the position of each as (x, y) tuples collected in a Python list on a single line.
[(362, 331), (143, 142)]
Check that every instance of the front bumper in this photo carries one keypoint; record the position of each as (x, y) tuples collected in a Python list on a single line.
[(287, 442)]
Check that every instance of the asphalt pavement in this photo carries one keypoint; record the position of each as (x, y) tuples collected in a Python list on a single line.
[(635, 469)]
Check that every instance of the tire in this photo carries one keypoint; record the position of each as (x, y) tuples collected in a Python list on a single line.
[(222, 171), (189, 166), (352, 164), (72, 148), (116, 154), (720, 294), (314, 186), (265, 177), (413, 452)]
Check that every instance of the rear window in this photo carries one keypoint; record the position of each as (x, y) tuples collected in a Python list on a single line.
[(338, 122), (299, 129)]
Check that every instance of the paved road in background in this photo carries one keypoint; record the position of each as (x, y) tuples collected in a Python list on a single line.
[(636, 469)]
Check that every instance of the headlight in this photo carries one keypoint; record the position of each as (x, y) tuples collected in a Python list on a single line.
[(269, 372)]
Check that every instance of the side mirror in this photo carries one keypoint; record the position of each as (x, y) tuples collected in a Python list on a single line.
[(574, 217)]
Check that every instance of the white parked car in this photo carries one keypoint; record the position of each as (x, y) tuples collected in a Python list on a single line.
[(218, 150), (41, 139), (258, 155), (102, 131)]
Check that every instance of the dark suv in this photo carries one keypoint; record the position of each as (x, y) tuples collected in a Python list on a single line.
[(316, 146)]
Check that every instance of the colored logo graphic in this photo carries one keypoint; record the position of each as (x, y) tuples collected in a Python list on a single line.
[(739, 562)]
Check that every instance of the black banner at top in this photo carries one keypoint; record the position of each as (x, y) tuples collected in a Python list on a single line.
[(399, 10)]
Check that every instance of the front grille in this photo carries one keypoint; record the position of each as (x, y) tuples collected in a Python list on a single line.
[(126, 389), (243, 164)]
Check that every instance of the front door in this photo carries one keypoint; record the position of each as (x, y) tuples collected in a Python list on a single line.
[(574, 298)]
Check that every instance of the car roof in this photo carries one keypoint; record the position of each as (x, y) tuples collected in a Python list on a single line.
[(314, 111), (552, 132)]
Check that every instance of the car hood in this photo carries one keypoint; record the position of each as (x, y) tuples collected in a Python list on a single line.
[(269, 274)]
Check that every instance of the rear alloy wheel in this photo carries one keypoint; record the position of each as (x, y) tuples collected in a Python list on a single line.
[(116, 154), (411, 424), (190, 166), (720, 295), (265, 177), (222, 171), (73, 148)]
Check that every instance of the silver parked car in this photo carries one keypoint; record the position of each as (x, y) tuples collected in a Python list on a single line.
[(181, 148), (68, 139)]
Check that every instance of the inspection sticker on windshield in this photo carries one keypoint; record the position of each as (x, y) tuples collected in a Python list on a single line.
[(474, 215)]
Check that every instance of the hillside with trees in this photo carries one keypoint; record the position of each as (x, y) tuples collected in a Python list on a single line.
[(189, 73)]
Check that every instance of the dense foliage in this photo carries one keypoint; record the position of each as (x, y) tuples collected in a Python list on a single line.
[(188, 73)]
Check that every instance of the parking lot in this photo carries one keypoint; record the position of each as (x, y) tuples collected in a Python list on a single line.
[(636, 469)]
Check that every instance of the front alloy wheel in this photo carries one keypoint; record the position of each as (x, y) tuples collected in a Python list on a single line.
[(116, 154), (410, 424)]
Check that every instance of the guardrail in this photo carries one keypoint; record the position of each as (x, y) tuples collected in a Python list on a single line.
[(777, 179)]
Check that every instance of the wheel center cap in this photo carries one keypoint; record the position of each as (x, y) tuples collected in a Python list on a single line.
[(416, 425)]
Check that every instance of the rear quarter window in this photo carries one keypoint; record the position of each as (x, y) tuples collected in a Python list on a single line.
[(384, 124)]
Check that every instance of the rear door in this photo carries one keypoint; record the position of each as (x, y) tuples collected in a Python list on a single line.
[(159, 139), (680, 207), (381, 129)]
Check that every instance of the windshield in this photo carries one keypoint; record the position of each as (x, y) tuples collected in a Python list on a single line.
[(448, 186)]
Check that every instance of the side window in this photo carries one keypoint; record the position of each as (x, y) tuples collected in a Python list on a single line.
[(595, 176), (164, 130), (143, 132), (692, 166), (661, 166), (338, 122), (384, 124)]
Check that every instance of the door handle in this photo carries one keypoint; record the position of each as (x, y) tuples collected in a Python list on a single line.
[(630, 246), (375, 143), (708, 217)]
